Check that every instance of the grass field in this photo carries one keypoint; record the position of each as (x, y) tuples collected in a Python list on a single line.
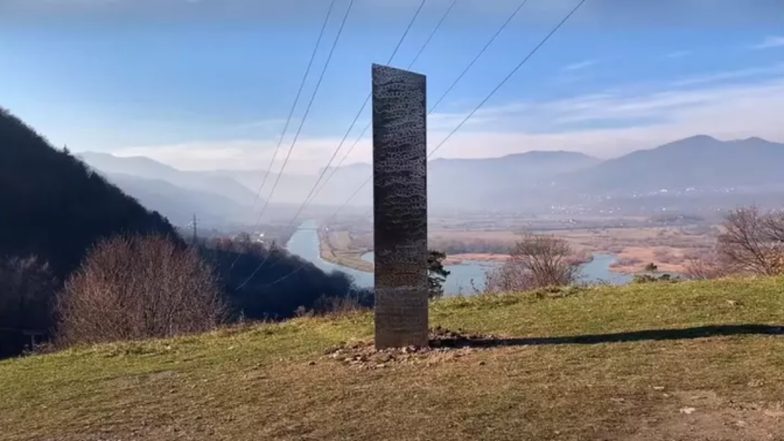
[(686, 361)]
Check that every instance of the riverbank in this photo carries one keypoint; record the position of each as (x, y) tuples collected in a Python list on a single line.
[(468, 272), (336, 247), (632, 260)]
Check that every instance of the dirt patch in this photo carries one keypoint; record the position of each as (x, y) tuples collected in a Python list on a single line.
[(445, 346), (704, 416)]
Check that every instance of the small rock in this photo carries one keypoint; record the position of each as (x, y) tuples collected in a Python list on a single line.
[(687, 410), (311, 363), (658, 387), (482, 363)]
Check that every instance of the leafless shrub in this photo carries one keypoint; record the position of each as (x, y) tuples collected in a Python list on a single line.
[(26, 286), (707, 267), (753, 242), (138, 287), (535, 262)]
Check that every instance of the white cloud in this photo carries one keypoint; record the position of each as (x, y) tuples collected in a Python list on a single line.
[(271, 124), (604, 124), (728, 112), (770, 42), (774, 70), (580, 65), (307, 156)]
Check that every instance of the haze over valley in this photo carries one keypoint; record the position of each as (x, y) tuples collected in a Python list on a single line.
[(697, 176)]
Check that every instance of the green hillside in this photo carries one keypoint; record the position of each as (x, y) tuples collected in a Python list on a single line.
[(691, 361)]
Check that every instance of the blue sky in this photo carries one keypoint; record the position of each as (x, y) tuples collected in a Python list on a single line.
[(206, 84)]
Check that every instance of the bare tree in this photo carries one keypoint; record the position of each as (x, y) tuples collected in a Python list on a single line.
[(708, 267), (27, 287), (535, 262), (753, 242), (138, 287)]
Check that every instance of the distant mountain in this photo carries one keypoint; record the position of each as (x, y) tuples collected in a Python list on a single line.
[(291, 188), (179, 204), (699, 162), (498, 182), (453, 183), (464, 183), (700, 172), (142, 167)]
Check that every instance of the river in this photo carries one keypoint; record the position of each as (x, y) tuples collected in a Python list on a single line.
[(465, 278)]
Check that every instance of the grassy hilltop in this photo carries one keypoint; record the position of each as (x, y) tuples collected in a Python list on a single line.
[(690, 361)]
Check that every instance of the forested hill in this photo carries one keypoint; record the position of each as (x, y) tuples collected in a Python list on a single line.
[(53, 207)]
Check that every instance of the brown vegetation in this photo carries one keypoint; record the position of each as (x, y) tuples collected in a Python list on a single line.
[(753, 242), (535, 262), (138, 287), (707, 268)]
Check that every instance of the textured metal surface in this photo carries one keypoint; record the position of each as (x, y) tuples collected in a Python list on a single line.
[(400, 207)]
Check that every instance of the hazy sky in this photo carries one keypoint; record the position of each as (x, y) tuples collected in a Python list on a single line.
[(208, 83)]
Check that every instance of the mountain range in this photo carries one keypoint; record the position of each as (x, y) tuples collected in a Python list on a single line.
[(698, 173)]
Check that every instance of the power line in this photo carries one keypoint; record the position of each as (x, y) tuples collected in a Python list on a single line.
[(478, 55), (432, 33), (296, 99), (364, 104), (296, 135), (307, 111), (290, 115), (405, 33), (482, 103), (451, 86), (359, 113), (342, 142), (334, 214), (361, 109), (454, 83), (492, 92), (509, 75)]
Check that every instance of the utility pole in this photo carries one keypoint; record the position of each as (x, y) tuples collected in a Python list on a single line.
[(194, 225), (400, 207)]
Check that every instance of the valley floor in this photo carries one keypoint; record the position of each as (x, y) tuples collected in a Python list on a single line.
[(686, 361)]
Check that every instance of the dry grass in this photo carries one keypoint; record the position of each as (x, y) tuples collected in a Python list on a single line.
[(273, 381)]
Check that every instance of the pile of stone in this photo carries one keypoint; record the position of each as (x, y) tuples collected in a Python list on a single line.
[(445, 346)]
